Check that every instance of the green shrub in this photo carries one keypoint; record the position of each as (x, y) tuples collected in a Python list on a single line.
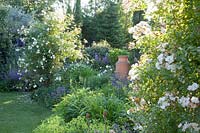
[(98, 54), (77, 125), (114, 53), (101, 48), (6, 47), (133, 55), (48, 44), (109, 90), (3, 85), (83, 101), (167, 75), (53, 124), (98, 81), (72, 105), (12, 21), (97, 104), (50, 95), (81, 124), (78, 74), (56, 124)]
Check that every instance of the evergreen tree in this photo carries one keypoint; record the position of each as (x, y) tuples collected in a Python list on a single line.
[(89, 23), (69, 10), (109, 23), (109, 26), (78, 12)]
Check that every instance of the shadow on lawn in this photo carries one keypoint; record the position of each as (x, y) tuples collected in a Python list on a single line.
[(19, 114)]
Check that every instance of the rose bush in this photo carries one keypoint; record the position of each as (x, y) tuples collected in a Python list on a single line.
[(167, 75)]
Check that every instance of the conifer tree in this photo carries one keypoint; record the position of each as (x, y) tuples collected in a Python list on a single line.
[(109, 26), (78, 12), (108, 22)]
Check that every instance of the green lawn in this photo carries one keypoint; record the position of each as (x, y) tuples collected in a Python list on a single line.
[(19, 114)]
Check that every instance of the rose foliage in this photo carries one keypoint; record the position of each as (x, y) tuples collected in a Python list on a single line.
[(166, 79)]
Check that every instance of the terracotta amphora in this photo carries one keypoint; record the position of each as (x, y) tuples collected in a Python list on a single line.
[(122, 67)]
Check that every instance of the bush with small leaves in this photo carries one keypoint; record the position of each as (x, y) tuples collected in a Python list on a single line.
[(54, 124), (80, 124), (48, 44)]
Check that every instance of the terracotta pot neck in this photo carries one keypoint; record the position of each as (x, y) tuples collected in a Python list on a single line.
[(123, 58)]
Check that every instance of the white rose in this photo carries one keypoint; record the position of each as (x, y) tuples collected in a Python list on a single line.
[(195, 100), (193, 87)]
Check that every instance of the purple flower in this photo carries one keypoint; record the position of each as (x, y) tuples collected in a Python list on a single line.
[(119, 83), (96, 57), (20, 42), (13, 75), (105, 60), (60, 90)]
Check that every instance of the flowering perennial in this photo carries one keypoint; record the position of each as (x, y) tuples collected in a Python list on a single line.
[(192, 126), (165, 60), (143, 28), (164, 101), (133, 73)]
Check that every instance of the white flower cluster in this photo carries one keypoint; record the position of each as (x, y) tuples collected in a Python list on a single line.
[(21, 59), (127, 5), (192, 126), (41, 79), (162, 47), (34, 86), (165, 101), (34, 44), (184, 101), (139, 103), (21, 62), (133, 73), (143, 28), (192, 102), (152, 6), (35, 47), (58, 78), (105, 70), (189, 102), (193, 87), (165, 60), (138, 127), (195, 100)]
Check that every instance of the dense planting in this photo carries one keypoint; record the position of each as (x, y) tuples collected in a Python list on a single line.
[(65, 56), (166, 79)]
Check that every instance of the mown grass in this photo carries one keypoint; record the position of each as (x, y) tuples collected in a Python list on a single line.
[(19, 114)]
